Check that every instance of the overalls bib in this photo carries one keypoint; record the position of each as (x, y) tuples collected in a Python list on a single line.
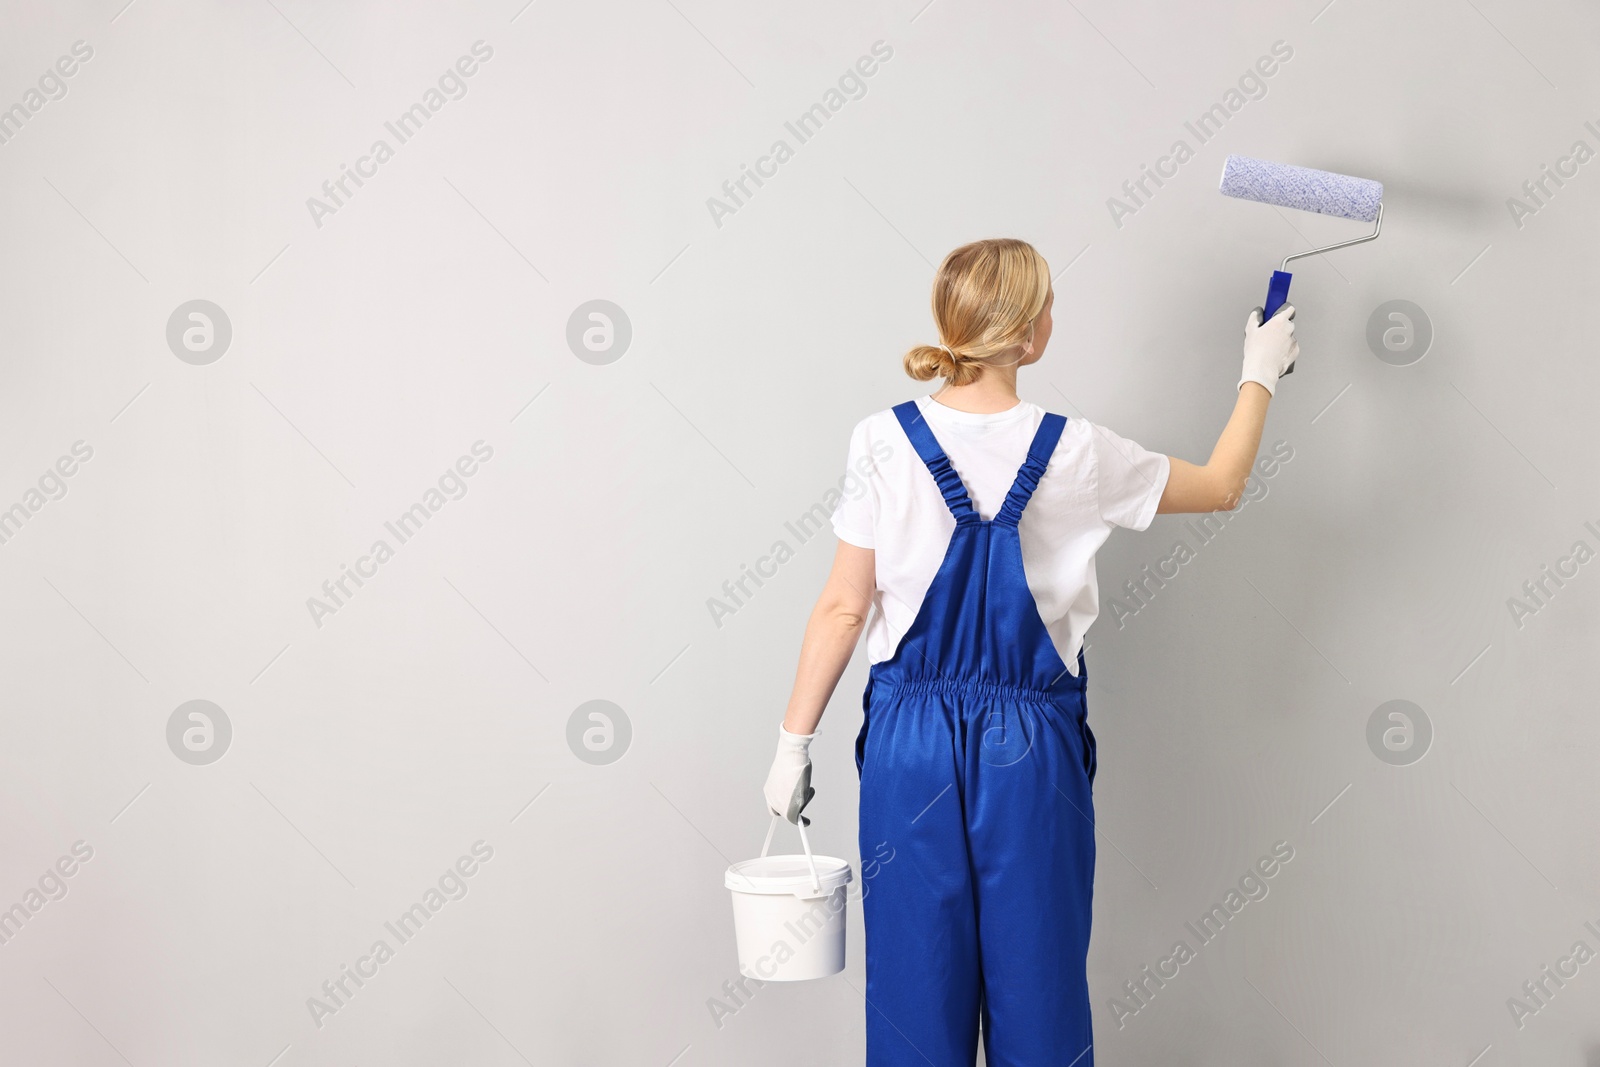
[(976, 761)]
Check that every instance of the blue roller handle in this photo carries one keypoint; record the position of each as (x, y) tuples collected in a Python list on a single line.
[(1277, 296)]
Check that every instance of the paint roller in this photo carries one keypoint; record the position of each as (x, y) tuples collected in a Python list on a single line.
[(1303, 189)]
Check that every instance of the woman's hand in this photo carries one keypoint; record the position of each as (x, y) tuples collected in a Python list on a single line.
[(788, 789), (1269, 347)]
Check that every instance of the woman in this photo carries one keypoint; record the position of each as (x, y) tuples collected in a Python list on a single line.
[(976, 542)]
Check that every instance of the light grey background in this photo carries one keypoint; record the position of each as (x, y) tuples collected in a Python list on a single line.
[(431, 311)]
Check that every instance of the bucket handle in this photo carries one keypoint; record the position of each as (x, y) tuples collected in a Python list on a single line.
[(816, 881)]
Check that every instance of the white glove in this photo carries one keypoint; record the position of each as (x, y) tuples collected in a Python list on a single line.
[(788, 789), (1269, 349)]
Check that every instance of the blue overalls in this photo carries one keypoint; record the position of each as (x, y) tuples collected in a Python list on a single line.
[(976, 761)]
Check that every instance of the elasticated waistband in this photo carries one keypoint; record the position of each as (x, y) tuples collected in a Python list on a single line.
[(958, 687)]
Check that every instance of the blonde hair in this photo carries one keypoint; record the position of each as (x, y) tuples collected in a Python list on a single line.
[(986, 297)]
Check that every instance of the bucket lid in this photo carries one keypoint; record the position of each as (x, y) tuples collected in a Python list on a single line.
[(787, 874)]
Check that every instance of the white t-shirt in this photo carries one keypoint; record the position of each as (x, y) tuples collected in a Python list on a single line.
[(1096, 480)]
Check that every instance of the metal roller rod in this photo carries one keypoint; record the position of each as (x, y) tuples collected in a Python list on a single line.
[(1376, 229)]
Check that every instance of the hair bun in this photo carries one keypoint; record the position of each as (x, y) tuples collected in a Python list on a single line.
[(925, 362)]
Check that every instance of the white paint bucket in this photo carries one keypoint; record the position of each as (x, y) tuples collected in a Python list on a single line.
[(788, 913)]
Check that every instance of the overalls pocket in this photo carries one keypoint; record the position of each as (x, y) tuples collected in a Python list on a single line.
[(861, 736), (1089, 762)]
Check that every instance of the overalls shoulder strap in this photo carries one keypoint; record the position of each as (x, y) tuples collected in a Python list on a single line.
[(1033, 468), (944, 475)]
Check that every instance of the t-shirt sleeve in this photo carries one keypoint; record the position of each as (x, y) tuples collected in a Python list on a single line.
[(1131, 480), (852, 516)]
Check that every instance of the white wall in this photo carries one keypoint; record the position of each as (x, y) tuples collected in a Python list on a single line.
[(374, 345)]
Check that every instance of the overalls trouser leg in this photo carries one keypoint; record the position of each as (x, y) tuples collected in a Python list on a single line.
[(976, 762)]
